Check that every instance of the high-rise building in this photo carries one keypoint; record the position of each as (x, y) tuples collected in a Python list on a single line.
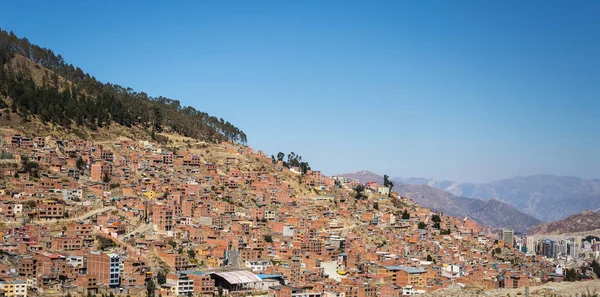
[(574, 249), (530, 245), (549, 249), (507, 236)]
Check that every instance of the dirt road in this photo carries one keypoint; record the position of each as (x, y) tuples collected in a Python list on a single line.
[(562, 289)]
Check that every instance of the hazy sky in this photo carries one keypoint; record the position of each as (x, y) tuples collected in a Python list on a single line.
[(462, 90)]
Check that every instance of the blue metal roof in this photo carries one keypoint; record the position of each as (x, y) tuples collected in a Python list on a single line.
[(267, 276)]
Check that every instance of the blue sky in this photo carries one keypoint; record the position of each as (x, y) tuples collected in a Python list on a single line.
[(461, 90)]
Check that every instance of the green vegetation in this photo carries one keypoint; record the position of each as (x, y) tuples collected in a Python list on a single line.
[(268, 238), (161, 277), (80, 163), (596, 268), (388, 183), (150, 288), (405, 215), (31, 204), (105, 243), (93, 104), (30, 167), (571, 275), (422, 225), (359, 192), (590, 237), (191, 253), (436, 221), (293, 160), (106, 178)]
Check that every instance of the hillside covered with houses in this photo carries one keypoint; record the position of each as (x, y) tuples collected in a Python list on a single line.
[(106, 191), (141, 218)]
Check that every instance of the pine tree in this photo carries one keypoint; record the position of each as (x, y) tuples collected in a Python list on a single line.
[(150, 288), (405, 215), (80, 163)]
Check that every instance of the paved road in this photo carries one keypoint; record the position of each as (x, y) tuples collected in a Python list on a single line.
[(128, 247), (141, 229), (79, 218)]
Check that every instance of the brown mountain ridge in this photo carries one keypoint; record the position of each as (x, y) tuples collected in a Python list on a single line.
[(490, 212), (587, 221)]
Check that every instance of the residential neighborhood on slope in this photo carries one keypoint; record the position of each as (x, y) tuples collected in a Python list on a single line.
[(187, 218)]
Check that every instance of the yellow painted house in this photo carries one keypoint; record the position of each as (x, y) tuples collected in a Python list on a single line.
[(14, 288), (150, 194)]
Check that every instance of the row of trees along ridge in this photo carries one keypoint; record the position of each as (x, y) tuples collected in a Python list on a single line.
[(85, 101)]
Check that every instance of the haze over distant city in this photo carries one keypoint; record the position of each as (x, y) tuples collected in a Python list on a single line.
[(421, 88)]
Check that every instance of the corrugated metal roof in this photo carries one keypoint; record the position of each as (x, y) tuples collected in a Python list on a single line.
[(239, 277), (267, 276), (407, 269)]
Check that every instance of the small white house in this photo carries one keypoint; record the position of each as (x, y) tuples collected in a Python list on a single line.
[(72, 195), (289, 230), (383, 190), (258, 266), (451, 271), (17, 208)]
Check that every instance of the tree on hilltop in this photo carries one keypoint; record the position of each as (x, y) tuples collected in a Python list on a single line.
[(359, 192), (280, 156), (388, 184)]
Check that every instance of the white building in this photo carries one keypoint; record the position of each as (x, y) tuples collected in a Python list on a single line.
[(270, 215), (451, 271), (181, 285), (408, 291), (258, 266), (11, 209), (17, 208), (75, 261), (383, 190), (289, 230), (72, 195), (530, 244)]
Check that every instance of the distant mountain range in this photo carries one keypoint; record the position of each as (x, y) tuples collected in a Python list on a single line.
[(588, 220), (487, 212), (546, 197)]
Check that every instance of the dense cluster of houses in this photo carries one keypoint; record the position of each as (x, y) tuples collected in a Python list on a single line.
[(204, 219)]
